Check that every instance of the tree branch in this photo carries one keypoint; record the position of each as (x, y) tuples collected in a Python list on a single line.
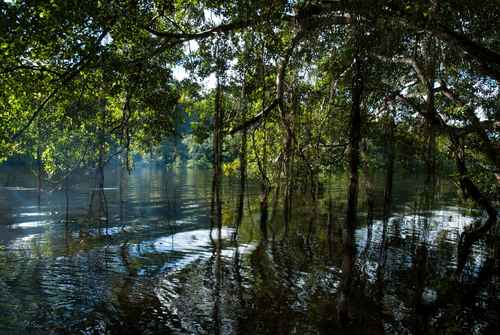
[(256, 119), (487, 58), (408, 61), (223, 28), (65, 78), (278, 101), (487, 146)]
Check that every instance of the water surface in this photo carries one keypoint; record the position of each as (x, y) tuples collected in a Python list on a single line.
[(149, 264)]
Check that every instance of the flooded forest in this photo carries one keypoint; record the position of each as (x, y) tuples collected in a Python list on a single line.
[(249, 167)]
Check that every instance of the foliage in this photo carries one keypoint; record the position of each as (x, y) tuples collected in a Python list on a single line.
[(85, 80)]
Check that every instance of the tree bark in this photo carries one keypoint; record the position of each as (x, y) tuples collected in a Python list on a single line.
[(389, 166), (352, 197), (243, 162), (216, 207)]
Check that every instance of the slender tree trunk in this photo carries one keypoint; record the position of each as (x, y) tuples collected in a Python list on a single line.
[(429, 50), (430, 132), (124, 162), (352, 197), (263, 217), (39, 173), (264, 192), (389, 166), (217, 159), (99, 176), (274, 207), (288, 147), (265, 188), (369, 184), (123, 186), (101, 145), (243, 162), (97, 201), (66, 197), (100, 166), (39, 163)]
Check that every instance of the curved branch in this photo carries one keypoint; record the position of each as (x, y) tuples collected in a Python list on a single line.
[(487, 58), (256, 119), (223, 28)]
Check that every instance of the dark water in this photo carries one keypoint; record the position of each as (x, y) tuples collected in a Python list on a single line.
[(148, 265)]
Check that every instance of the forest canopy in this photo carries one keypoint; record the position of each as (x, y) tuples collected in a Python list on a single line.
[(278, 90)]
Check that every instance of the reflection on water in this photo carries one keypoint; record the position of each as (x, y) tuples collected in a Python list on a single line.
[(150, 264)]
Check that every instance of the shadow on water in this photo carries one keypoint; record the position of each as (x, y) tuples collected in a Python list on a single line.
[(150, 263)]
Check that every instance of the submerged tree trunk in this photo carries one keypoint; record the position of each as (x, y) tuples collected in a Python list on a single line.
[(125, 167), (352, 197), (430, 135), (264, 215), (369, 184), (265, 187), (66, 211), (471, 234), (216, 208), (124, 173), (243, 162), (389, 166), (287, 115), (39, 173), (287, 161), (39, 164), (98, 208), (101, 145), (99, 176)]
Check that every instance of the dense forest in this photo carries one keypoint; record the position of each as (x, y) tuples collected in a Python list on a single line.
[(280, 94)]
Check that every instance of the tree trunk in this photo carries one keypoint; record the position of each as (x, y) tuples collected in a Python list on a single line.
[(264, 215), (265, 188), (123, 187), (352, 197), (98, 208), (39, 173), (430, 134), (124, 162), (389, 166), (216, 207), (243, 163), (471, 234), (287, 115), (369, 184)]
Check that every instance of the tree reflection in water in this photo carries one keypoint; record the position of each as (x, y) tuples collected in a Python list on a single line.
[(158, 269)]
